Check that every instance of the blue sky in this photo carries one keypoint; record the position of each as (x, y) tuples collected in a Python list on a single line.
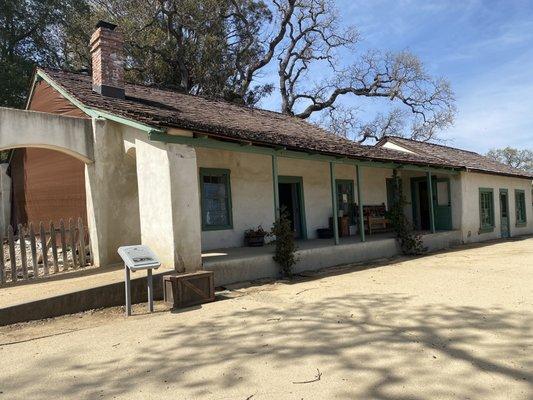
[(484, 48)]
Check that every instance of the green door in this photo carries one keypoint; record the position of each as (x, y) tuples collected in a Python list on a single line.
[(442, 204), (291, 198)]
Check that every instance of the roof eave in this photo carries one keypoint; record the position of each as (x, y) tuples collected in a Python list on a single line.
[(92, 111)]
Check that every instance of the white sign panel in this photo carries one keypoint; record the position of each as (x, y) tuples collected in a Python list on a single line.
[(138, 257)]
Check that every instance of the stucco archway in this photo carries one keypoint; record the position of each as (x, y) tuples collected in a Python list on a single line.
[(70, 135)]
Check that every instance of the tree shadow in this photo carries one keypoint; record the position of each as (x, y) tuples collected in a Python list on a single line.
[(367, 346)]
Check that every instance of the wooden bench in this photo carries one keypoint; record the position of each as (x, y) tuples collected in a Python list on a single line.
[(375, 218)]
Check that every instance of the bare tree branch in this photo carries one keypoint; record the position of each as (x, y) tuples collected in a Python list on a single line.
[(314, 36), (285, 9), (399, 78)]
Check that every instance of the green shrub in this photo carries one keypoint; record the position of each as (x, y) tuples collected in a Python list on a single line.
[(285, 244), (410, 242)]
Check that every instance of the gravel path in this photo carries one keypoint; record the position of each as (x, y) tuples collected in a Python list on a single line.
[(455, 325)]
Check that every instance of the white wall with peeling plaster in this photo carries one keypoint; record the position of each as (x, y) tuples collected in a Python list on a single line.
[(470, 224), (23, 128), (5, 199)]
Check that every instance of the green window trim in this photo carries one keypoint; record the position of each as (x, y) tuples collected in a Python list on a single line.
[(216, 172), (520, 207), (486, 203)]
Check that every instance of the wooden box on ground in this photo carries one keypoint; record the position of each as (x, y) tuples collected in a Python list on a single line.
[(189, 289)]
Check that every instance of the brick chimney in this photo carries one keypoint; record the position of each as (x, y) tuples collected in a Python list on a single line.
[(107, 52)]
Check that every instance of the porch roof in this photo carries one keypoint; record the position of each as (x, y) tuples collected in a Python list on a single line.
[(464, 158)]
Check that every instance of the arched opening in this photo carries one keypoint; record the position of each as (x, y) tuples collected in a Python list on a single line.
[(43, 214), (68, 152), (46, 185)]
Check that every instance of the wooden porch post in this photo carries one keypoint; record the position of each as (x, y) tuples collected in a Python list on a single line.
[(275, 185), (334, 202), (360, 203), (430, 200)]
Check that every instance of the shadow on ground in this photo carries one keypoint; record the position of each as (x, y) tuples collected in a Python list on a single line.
[(366, 346)]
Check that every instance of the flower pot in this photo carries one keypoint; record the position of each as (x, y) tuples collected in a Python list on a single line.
[(324, 233), (255, 241)]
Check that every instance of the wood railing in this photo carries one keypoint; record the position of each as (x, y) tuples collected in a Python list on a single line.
[(35, 252)]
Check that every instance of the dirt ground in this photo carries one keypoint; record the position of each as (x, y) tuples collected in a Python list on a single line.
[(452, 325)]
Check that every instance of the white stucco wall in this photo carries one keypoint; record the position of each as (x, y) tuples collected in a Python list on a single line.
[(470, 184), (251, 194), (112, 195), (169, 203), (374, 182), (140, 191), (23, 128), (457, 200), (5, 198), (252, 191), (253, 198)]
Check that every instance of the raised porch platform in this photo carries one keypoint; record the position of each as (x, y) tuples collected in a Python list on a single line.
[(104, 287), (249, 263)]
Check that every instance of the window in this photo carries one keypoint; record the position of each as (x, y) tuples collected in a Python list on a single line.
[(443, 193), (345, 202), (486, 210), (520, 203), (215, 192), (392, 194)]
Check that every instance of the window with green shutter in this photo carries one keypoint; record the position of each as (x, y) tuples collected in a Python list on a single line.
[(486, 210), (215, 192), (520, 207)]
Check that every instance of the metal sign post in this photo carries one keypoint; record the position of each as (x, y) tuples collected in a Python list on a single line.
[(136, 258)]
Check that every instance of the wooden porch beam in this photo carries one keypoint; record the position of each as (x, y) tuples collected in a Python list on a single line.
[(283, 152)]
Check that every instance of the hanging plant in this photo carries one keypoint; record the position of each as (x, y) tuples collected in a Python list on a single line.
[(410, 242)]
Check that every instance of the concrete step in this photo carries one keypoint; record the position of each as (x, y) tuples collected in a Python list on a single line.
[(104, 295)]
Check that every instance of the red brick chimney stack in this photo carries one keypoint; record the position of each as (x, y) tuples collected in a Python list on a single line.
[(107, 51)]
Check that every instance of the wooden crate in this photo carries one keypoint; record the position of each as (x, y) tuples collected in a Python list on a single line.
[(189, 289)]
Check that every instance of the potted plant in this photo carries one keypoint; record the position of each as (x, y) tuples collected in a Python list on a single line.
[(255, 237)]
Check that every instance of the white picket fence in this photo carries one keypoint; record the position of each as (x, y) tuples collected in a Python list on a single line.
[(32, 254)]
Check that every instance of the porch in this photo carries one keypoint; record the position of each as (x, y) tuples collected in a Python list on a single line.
[(241, 191), (196, 195), (240, 264)]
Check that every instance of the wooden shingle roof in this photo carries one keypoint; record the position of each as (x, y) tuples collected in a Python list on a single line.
[(468, 160), (164, 109)]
